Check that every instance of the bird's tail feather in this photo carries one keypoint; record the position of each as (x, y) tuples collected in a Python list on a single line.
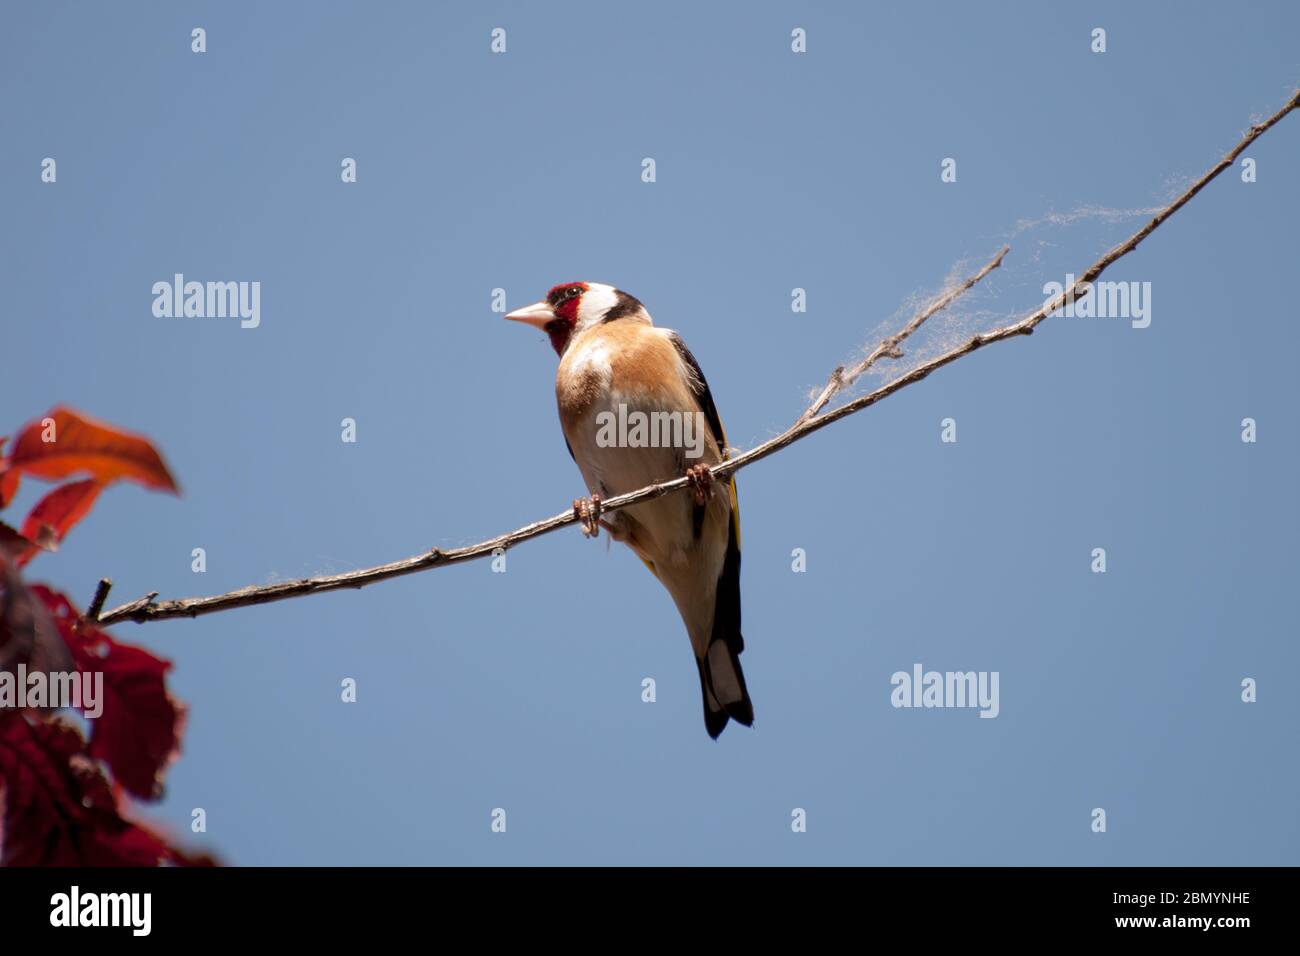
[(715, 716), (725, 693), (727, 683)]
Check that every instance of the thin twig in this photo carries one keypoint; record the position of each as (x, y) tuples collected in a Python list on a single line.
[(148, 608), (889, 346), (97, 602)]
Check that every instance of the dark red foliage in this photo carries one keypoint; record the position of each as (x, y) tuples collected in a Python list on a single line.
[(140, 730), (59, 807), (65, 798)]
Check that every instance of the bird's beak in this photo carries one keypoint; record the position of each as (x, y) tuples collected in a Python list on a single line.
[(538, 314)]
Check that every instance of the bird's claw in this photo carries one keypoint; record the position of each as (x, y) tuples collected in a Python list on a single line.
[(587, 511), (701, 481)]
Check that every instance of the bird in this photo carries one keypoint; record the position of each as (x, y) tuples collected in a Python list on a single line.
[(617, 372)]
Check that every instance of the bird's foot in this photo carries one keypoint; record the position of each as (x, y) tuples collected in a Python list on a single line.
[(587, 511), (701, 481)]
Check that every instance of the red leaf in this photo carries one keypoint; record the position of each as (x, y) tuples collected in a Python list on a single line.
[(56, 513), (12, 544), (138, 734), (8, 483), (29, 634), (82, 444), (8, 479), (58, 809)]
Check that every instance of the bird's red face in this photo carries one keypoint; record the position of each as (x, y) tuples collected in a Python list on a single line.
[(557, 315)]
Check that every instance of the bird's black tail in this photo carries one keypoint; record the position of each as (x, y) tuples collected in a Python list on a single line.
[(721, 678)]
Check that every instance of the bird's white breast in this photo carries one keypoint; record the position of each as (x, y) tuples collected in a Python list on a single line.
[(590, 359)]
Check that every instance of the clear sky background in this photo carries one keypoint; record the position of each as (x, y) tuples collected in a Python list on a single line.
[(522, 690)]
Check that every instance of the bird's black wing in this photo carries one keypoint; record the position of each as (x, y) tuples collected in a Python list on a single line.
[(700, 387), (726, 611)]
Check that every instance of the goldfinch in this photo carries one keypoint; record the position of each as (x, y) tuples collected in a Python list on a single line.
[(636, 410)]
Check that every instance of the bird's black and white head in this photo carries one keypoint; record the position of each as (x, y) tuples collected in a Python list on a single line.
[(574, 307)]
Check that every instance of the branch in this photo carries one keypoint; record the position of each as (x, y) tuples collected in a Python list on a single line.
[(889, 347), (148, 608), (97, 602)]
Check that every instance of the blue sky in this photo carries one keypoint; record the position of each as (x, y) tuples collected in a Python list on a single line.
[(775, 170)]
